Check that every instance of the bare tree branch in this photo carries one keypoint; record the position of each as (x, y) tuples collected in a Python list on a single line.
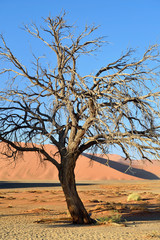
[(52, 103)]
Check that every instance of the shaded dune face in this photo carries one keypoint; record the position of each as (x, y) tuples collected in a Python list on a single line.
[(124, 167), (89, 167)]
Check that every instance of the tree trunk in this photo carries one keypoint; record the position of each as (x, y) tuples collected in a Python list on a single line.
[(75, 206)]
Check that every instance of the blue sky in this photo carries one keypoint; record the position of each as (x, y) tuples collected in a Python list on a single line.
[(126, 23)]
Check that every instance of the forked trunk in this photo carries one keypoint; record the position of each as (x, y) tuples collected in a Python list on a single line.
[(75, 206)]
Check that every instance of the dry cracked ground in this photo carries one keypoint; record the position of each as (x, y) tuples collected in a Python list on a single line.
[(37, 210)]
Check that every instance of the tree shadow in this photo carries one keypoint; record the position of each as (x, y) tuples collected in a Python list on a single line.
[(124, 168), (144, 215)]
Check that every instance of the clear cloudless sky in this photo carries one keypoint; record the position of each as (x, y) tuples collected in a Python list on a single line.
[(125, 23)]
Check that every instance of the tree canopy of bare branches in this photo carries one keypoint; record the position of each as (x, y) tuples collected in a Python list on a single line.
[(116, 106)]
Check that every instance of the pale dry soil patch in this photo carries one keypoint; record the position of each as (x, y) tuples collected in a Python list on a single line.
[(41, 213)]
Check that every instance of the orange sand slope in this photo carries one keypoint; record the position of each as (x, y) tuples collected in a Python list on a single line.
[(99, 168)]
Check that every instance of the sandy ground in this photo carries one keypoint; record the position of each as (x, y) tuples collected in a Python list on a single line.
[(39, 211)]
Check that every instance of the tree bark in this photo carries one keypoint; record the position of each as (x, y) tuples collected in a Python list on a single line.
[(75, 206)]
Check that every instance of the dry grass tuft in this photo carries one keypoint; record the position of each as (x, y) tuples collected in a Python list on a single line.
[(134, 197)]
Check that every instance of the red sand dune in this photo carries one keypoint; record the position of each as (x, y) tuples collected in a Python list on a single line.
[(30, 168)]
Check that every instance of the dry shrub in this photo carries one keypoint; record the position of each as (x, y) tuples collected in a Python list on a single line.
[(110, 219), (134, 197)]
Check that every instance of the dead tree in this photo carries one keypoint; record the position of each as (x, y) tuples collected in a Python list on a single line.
[(117, 106)]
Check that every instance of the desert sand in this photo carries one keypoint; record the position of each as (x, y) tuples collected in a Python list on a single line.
[(32, 204), (40, 212)]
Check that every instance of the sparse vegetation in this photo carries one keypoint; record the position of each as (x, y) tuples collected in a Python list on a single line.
[(134, 197), (110, 219)]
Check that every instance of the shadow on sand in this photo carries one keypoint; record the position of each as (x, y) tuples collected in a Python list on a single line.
[(14, 184), (136, 172), (142, 216)]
